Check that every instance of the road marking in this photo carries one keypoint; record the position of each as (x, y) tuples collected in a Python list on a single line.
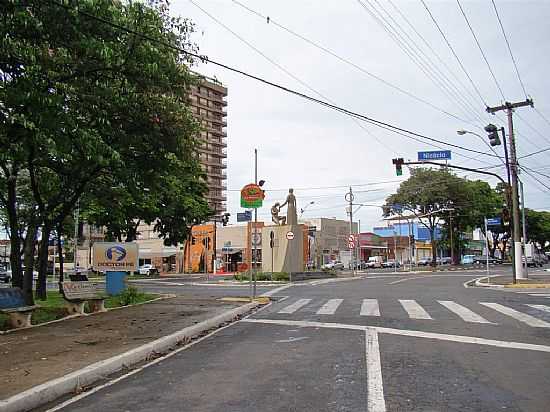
[(295, 306), (404, 280), (370, 308), (465, 313), (541, 307), (276, 290), (375, 386), (414, 310), (291, 339), (330, 307), (404, 332), (522, 317), (545, 295)]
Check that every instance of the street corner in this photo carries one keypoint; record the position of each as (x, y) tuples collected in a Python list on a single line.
[(262, 300)]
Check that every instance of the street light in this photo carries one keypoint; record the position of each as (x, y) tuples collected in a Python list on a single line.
[(304, 209)]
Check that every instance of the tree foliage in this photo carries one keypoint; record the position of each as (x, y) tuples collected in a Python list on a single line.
[(90, 112)]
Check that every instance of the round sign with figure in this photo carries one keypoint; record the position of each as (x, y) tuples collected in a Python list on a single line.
[(290, 235)]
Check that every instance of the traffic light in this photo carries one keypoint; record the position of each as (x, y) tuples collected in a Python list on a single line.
[(225, 218), (492, 131), (398, 166)]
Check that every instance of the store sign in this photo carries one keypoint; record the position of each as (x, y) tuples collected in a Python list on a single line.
[(252, 196), (113, 257)]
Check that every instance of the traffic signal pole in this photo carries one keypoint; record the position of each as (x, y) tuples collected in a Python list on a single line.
[(509, 108)]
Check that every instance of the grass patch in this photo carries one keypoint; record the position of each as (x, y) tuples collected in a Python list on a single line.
[(54, 307), (262, 276)]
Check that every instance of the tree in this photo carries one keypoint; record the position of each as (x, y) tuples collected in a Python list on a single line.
[(428, 194), (83, 103), (538, 227)]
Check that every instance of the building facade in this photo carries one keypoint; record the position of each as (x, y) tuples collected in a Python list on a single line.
[(330, 239), (208, 104)]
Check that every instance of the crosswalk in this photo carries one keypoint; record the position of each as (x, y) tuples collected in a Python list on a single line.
[(537, 316)]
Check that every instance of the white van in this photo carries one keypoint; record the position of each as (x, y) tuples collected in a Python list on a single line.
[(375, 262)]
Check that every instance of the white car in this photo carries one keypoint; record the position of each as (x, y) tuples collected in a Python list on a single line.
[(147, 270), (336, 265)]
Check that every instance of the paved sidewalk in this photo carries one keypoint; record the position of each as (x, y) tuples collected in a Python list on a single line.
[(534, 280), (37, 355)]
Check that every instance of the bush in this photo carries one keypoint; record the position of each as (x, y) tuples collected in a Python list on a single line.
[(262, 276), (130, 296)]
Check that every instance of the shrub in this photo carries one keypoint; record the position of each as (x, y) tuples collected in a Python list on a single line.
[(130, 296)]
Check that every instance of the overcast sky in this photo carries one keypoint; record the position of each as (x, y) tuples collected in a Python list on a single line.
[(307, 146)]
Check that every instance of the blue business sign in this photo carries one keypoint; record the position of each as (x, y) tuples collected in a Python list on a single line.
[(494, 221), (434, 155), (245, 216)]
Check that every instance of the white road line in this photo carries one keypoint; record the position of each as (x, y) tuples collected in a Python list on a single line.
[(375, 386), (404, 280), (465, 313), (541, 307), (546, 295), (414, 310), (276, 290), (330, 307), (522, 317), (403, 332), (295, 306), (370, 308)]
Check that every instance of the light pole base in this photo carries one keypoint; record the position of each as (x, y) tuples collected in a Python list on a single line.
[(518, 261)]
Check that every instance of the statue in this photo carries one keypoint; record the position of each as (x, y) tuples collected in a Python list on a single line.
[(278, 220), (290, 202)]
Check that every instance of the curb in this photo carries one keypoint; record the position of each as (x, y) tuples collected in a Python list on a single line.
[(528, 286), (486, 285), (49, 391)]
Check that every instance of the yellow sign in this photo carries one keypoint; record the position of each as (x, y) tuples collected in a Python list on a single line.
[(114, 257)]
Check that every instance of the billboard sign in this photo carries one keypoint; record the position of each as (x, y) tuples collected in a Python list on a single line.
[(252, 196), (434, 155), (114, 257)]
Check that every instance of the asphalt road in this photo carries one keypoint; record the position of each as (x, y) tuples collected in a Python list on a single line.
[(384, 342)]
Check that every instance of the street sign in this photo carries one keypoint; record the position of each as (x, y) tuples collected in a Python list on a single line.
[(351, 238), (494, 221), (290, 235), (252, 196), (351, 245), (434, 155), (246, 216)]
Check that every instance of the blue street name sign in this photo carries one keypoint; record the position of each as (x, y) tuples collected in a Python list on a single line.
[(434, 155), (494, 221), (245, 216)]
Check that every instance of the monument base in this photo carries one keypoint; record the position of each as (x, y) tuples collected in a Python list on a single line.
[(286, 255)]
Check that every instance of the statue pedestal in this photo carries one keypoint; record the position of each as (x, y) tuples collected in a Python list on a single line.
[(285, 255)]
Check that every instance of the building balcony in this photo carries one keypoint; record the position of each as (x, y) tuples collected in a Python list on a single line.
[(220, 174), (217, 197)]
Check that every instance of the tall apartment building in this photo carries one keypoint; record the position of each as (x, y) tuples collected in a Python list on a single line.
[(209, 106)]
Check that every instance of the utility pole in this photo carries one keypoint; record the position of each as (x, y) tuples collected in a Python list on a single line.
[(523, 224), (254, 236), (349, 197), (451, 236), (509, 108), (76, 215)]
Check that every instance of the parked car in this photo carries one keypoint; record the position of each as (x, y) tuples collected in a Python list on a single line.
[(424, 261), (334, 265), (483, 260), (390, 264), (5, 275), (147, 270), (444, 260), (467, 259), (375, 262)]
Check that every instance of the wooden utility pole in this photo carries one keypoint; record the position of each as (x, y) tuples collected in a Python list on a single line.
[(509, 108)]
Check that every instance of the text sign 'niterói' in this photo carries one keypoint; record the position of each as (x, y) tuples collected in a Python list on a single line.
[(434, 155)]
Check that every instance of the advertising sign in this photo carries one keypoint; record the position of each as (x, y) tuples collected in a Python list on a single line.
[(252, 196), (114, 257), (435, 155)]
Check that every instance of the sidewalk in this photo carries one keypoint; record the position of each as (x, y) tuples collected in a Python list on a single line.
[(37, 355), (535, 281)]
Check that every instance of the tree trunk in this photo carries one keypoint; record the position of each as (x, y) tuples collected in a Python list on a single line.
[(434, 247), (60, 253), (15, 239), (28, 251), (41, 292)]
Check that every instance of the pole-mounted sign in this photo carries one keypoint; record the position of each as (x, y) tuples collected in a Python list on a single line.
[(434, 155), (252, 196)]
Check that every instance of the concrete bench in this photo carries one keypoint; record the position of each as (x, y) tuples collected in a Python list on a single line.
[(76, 294), (12, 302)]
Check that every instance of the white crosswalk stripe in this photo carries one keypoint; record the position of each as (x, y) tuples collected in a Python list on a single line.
[(541, 307), (465, 313), (522, 317), (295, 306), (414, 310), (542, 295), (330, 307), (370, 307)]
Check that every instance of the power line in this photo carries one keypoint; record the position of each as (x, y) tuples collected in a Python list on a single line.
[(537, 179), (509, 48), (534, 153), (481, 50), (206, 59), (347, 61), (453, 52), (283, 69)]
